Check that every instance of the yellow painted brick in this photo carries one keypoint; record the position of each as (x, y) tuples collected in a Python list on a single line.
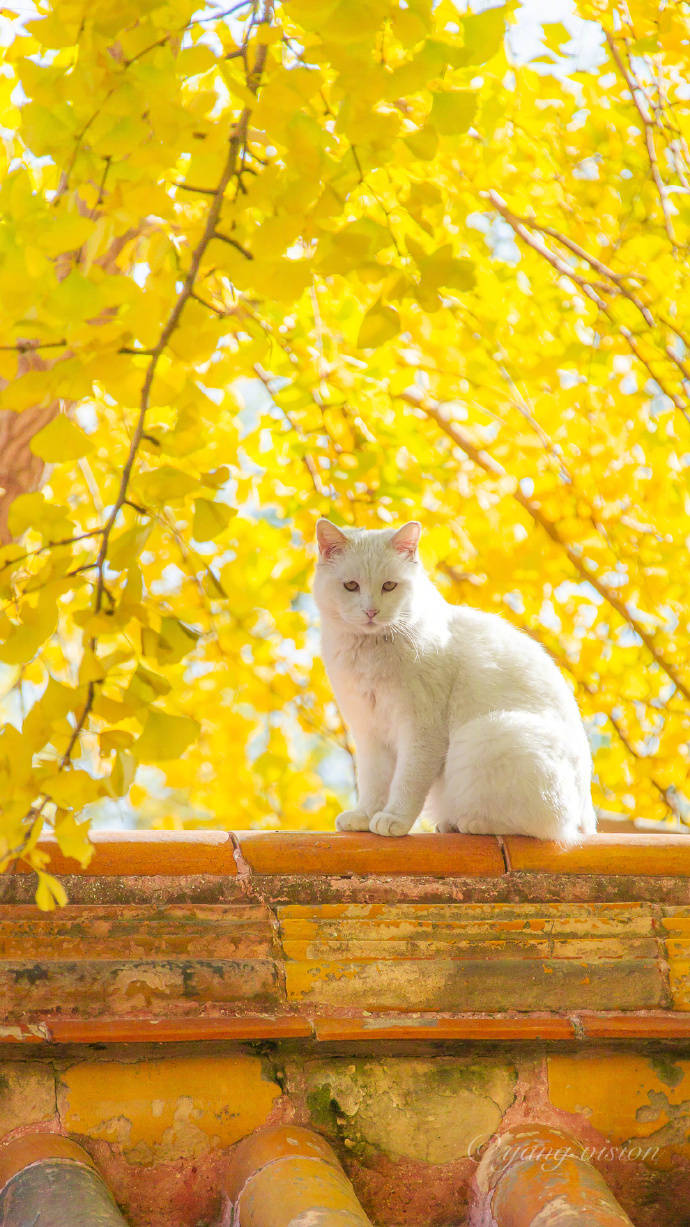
[(158, 1111), (624, 1095), (479, 984), (677, 920), (406, 919), (679, 979)]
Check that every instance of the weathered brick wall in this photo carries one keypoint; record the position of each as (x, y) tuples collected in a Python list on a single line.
[(408, 1015), (409, 1126)]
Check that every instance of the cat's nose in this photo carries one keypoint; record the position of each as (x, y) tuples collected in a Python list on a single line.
[(371, 613)]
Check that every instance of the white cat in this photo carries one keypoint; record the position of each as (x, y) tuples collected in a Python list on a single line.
[(450, 707)]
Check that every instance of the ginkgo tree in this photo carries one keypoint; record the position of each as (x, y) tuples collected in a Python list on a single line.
[(375, 260)]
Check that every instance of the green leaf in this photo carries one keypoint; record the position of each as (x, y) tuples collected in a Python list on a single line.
[(61, 440), (379, 325), (146, 685), (165, 736), (210, 519), (453, 110), (437, 56), (643, 46), (442, 268), (175, 641)]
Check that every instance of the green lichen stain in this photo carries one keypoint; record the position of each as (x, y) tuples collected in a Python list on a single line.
[(474, 1077), (667, 1071), (327, 1115), (434, 1110), (323, 1108)]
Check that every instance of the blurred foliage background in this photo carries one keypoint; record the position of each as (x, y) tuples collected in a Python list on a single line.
[(369, 258)]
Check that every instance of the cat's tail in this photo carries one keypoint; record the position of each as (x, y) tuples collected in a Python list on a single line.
[(588, 818)]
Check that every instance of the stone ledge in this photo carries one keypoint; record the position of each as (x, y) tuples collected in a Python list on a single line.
[(272, 853), (607, 854), (317, 939), (125, 853)]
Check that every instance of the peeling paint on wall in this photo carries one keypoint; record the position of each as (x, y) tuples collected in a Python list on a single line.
[(626, 1096), (161, 1110)]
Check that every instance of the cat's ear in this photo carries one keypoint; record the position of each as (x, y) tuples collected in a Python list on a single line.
[(406, 539), (330, 539)]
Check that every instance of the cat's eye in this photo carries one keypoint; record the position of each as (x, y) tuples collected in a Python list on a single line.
[(351, 585), (388, 586)]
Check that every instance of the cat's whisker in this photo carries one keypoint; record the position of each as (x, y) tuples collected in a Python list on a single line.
[(408, 634)]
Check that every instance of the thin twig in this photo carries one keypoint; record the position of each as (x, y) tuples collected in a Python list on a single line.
[(50, 545), (486, 462), (27, 347), (618, 279), (225, 238), (190, 187), (308, 460), (593, 291), (648, 134)]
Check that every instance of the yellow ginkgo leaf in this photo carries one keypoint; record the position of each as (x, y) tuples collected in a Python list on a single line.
[(124, 770), (72, 836), (50, 892), (61, 440), (210, 519), (453, 110), (379, 325), (164, 736)]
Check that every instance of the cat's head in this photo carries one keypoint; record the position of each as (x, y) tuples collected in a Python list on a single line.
[(365, 579)]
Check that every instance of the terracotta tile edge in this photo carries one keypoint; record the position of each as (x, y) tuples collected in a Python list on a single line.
[(152, 1030), (217, 853), (143, 854), (667, 1024), (329, 1028), (609, 855), (361, 854), (38, 1148), (467, 1026)]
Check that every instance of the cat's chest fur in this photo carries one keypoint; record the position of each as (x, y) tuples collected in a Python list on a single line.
[(375, 678), (368, 666)]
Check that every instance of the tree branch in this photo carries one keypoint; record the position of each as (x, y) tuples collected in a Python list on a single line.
[(648, 133), (486, 462), (592, 291), (237, 139)]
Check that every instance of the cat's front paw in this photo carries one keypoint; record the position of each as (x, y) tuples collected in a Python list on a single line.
[(385, 823), (352, 820)]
